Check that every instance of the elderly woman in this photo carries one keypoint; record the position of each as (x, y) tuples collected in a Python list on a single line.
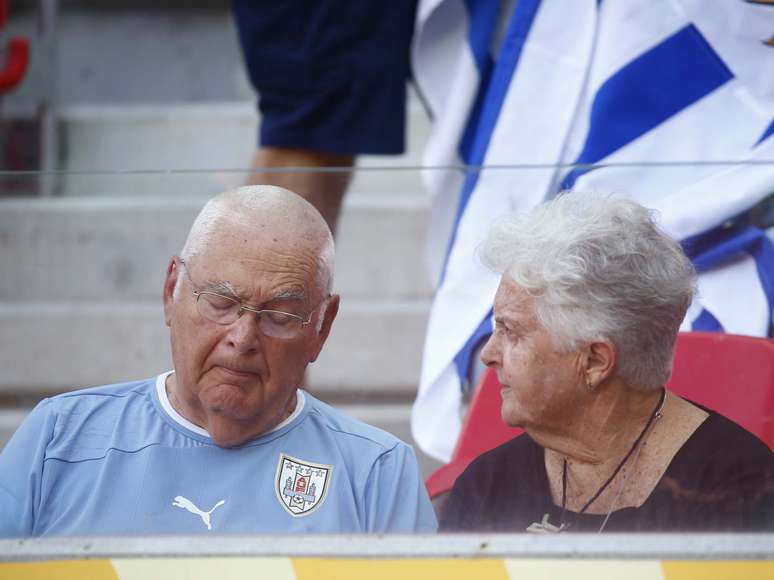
[(585, 321)]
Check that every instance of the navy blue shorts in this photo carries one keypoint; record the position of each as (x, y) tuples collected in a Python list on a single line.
[(330, 74)]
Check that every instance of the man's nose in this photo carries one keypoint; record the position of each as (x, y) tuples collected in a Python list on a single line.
[(490, 354), (244, 333)]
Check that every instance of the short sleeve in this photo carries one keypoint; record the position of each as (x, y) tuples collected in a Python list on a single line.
[(395, 496), (21, 472)]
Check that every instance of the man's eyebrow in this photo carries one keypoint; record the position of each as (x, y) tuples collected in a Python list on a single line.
[(225, 288), (221, 287), (289, 294)]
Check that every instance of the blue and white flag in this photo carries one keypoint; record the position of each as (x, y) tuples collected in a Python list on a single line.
[(669, 102)]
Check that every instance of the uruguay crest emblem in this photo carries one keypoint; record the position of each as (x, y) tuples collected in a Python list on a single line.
[(301, 486)]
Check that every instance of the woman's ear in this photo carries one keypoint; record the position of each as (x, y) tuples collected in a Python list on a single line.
[(600, 362)]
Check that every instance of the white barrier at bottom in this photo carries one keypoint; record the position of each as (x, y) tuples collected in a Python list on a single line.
[(403, 557)]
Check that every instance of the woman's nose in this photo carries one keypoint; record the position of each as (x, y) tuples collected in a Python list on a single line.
[(490, 354)]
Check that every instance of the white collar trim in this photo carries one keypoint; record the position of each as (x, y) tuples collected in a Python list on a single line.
[(161, 391)]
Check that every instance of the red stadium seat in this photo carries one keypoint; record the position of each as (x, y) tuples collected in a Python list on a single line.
[(731, 374), (727, 373), (482, 430)]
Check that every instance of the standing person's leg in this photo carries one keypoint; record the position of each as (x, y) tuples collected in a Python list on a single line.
[(331, 80), (323, 189)]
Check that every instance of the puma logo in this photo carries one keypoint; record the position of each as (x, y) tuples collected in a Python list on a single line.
[(187, 504)]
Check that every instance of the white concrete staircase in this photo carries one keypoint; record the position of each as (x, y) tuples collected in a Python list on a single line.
[(142, 150), (82, 272), (80, 295)]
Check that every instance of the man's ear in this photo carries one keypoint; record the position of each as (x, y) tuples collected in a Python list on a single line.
[(601, 357), (331, 310), (170, 281)]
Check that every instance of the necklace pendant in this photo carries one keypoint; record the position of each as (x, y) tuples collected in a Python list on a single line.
[(546, 527)]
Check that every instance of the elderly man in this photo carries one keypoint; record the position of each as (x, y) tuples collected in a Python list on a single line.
[(225, 442)]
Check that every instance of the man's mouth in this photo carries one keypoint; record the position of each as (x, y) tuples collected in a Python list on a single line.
[(238, 373)]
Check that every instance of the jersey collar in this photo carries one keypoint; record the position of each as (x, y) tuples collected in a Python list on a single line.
[(169, 410)]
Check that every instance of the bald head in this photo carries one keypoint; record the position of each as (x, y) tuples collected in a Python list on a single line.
[(263, 215)]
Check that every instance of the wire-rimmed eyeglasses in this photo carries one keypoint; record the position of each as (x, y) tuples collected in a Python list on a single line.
[(225, 310)]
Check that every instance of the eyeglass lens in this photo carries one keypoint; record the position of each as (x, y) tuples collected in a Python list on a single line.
[(224, 310)]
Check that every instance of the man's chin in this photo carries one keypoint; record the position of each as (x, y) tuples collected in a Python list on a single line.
[(231, 400), (229, 440), (228, 432)]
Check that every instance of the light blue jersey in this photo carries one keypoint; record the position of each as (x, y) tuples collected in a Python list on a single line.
[(120, 460)]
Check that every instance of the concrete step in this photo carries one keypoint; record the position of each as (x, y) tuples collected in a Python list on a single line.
[(210, 145), (80, 295), (123, 54), (375, 348), (82, 249)]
